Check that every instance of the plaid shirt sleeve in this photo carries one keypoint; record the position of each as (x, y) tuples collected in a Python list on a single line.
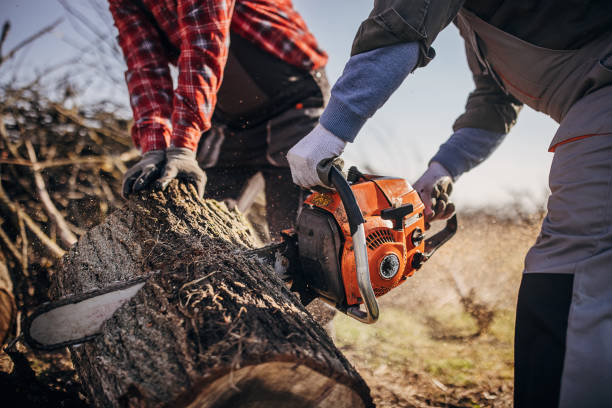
[(204, 32), (200, 29), (276, 27), (204, 26), (147, 76)]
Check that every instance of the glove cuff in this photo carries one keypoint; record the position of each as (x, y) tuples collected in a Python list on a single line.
[(437, 170), (158, 154), (326, 141), (182, 152)]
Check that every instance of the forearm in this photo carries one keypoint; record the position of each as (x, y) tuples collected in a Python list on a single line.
[(204, 48), (367, 82), (467, 148), (147, 76), (150, 92)]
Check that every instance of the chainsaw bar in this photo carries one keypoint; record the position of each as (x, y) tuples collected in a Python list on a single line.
[(76, 319)]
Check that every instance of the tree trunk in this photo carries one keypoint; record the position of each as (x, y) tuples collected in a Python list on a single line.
[(213, 329)]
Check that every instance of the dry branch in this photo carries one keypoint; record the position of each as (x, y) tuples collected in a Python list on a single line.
[(90, 160), (66, 235), (9, 245), (9, 207), (73, 161), (27, 41)]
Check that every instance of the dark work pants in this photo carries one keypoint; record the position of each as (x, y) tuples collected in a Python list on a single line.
[(541, 329), (230, 157), (283, 198)]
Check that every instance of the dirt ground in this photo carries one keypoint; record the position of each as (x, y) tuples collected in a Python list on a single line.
[(430, 348)]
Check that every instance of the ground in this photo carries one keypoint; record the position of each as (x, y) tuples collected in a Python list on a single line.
[(429, 348)]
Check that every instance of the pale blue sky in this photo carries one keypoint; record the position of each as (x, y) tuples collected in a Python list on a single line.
[(401, 137)]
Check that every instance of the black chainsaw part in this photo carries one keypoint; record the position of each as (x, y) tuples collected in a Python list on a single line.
[(397, 215), (441, 237), (320, 246), (353, 212)]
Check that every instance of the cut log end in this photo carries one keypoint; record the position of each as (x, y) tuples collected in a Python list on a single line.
[(273, 384)]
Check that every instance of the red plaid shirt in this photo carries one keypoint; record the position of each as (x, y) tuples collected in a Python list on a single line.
[(200, 29)]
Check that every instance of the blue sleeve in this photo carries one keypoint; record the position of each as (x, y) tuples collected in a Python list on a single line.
[(467, 148), (367, 82)]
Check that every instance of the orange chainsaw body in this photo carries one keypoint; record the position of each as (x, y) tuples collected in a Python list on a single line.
[(395, 246)]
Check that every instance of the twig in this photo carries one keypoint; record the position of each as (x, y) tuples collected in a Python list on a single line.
[(124, 157), (100, 38), (9, 245), (67, 237), (24, 246), (30, 39), (76, 118), (5, 29), (8, 206)]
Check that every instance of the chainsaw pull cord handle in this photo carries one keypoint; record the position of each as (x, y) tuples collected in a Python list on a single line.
[(360, 249)]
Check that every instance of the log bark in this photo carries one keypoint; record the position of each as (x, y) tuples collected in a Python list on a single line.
[(8, 309), (213, 329)]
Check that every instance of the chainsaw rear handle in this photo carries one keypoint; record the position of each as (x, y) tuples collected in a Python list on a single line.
[(438, 239), (356, 221)]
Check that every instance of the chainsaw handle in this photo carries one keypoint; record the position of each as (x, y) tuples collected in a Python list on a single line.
[(360, 249), (437, 240)]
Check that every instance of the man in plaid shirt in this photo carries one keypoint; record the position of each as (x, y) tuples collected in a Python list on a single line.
[(252, 100)]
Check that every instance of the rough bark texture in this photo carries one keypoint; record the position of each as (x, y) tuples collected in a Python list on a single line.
[(214, 329), (8, 310)]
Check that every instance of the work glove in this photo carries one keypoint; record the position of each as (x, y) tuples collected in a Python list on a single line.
[(319, 145), (181, 163), (143, 173), (434, 188)]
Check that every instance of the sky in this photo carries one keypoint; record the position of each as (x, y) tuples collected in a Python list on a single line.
[(398, 141)]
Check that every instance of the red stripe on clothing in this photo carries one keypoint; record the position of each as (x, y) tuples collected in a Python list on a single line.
[(573, 139)]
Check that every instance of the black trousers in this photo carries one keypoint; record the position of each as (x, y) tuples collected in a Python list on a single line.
[(283, 198), (230, 157), (541, 329)]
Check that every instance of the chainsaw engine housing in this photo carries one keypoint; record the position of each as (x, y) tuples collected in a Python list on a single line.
[(394, 230)]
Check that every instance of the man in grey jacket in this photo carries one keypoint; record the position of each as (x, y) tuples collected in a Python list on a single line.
[(555, 57)]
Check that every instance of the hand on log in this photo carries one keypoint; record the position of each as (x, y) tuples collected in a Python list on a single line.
[(215, 328)]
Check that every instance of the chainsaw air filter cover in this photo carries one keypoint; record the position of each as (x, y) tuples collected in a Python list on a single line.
[(394, 229)]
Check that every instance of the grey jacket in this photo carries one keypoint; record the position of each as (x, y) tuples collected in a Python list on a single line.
[(489, 106)]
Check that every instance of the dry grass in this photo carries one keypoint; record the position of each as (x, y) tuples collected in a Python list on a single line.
[(428, 349)]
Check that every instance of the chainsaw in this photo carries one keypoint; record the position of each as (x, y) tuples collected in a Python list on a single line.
[(350, 246)]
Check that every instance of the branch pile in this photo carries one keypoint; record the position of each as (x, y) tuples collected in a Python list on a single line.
[(60, 175)]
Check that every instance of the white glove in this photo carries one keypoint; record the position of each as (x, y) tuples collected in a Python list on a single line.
[(304, 157), (434, 188)]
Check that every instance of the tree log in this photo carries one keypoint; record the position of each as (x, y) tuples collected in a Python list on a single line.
[(8, 309), (213, 329)]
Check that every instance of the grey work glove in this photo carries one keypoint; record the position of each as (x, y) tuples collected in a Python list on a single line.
[(181, 163), (320, 144), (434, 188), (142, 174)]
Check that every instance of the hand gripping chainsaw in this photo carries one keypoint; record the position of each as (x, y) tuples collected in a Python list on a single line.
[(349, 247)]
